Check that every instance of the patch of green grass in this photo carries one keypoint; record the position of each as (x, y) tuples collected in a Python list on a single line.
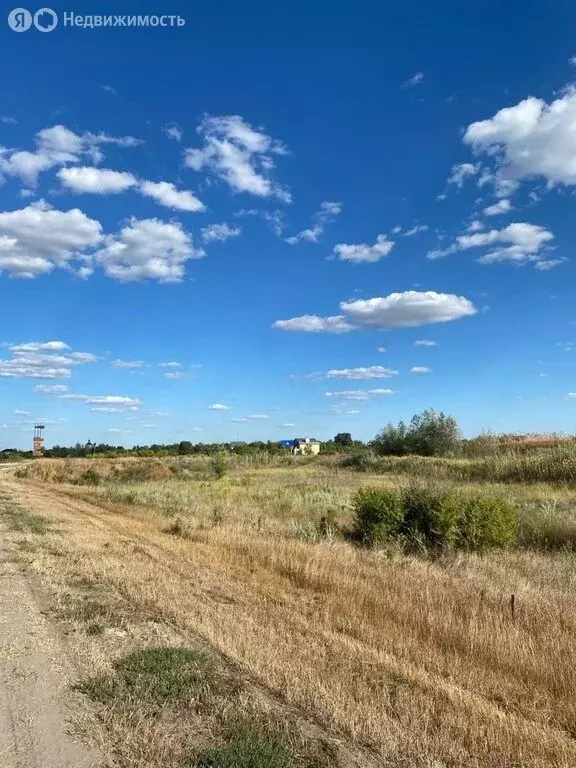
[(249, 745), (23, 521), (156, 677)]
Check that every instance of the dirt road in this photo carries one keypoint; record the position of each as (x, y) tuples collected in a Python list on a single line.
[(36, 702)]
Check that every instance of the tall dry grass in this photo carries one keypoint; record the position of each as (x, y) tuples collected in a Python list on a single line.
[(420, 661)]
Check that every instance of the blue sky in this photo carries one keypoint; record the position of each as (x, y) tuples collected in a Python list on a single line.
[(325, 216)]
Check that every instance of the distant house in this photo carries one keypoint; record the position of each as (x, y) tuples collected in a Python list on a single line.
[(306, 446)]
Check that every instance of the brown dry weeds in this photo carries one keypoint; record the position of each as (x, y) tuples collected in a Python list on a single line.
[(419, 662)]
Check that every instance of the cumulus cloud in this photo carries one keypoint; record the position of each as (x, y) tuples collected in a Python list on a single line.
[(420, 369), (42, 360), (397, 310), (381, 349), (51, 389), (327, 213), (99, 181), (218, 407), (502, 206), (167, 195), (363, 253), (148, 249), (532, 139), (219, 232), (315, 324), (173, 131), (174, 375), (414, 80), (37, 239), (416, 230), (58, 146), (519, 243), (360, 394), (461, 172), (239, 155), (117, 401), (372, 372), (127, 363), (252, 418), (547, 264)]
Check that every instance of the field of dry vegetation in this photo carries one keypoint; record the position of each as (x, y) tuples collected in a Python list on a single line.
[(227, 619)]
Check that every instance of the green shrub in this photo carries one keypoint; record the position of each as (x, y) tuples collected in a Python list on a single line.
[(487, 522), (219, 463), (378, 514), (90, 477), (249, 745), (361, 462), (431, 516)]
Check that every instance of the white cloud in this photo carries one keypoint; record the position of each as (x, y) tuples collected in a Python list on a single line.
[(363, 253), (461, 172), (37, 239), (475, 226), (239, 155), (397, 310), (327, 213), (170, 364), (7, 120), (519, 243), (407, 310), (360, 394), (174, 375), (315, 324), (502, 206), (420, 369), (58, 146), (414, 80), (288, 424), (148, 249), (130, 403), (522, 243), (218, 407), (425, 343), (373, 372), (173, 131), (532, 139), (252, 418), (51, 389), (416, 230), (570, 395), (219, 232), (99, 181), (167, 195), (18, 412), (572, 61), (127, 363), (381, 349), (106, 409), (113, 429), (544, 266), (39, 360)]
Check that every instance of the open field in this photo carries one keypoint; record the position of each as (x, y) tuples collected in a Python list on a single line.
[(369, 657)]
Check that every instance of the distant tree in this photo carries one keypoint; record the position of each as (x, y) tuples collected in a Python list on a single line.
[(185, 448), (343, 439), (428, 434)]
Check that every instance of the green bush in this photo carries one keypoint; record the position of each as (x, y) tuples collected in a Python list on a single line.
[(432, 517), (219, 463), (361, 462), (487, 522), (428, 434), (378, 514)]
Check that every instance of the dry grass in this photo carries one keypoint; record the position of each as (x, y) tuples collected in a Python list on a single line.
[(411, 661)]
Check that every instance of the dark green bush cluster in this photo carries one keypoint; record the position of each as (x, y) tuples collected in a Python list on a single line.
[(428, 434), (433, 518)]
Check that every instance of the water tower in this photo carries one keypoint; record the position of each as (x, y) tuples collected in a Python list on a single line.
[(38, 440)]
